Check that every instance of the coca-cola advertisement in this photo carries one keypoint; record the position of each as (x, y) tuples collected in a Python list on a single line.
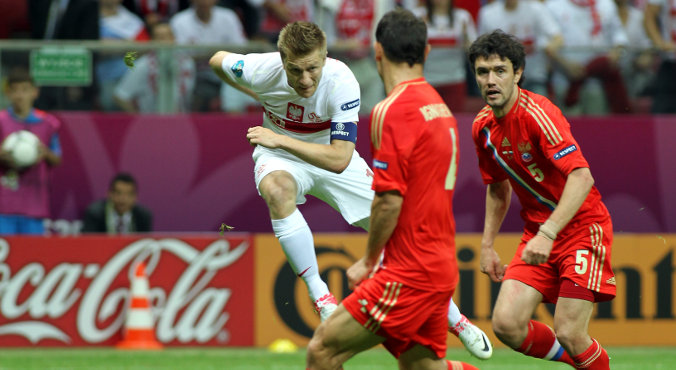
[(75, 291)]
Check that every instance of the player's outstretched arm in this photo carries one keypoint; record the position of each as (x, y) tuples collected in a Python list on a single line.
[(334, 157), (498, 197), (216, 64)]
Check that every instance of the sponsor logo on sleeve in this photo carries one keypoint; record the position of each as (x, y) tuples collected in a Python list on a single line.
[(237, 68), (350, 105), (565, 151), (379, 164)]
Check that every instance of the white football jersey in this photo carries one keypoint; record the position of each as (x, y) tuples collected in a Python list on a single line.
[(535, 32), (580, 42), (285, 112), (445, 63)]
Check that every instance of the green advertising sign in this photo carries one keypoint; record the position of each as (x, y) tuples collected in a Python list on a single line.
[(61, 66)]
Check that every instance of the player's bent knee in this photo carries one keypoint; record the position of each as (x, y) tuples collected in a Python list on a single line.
[(313, 350), (505, 327), (318, 353), (569, 336), (279, 192)]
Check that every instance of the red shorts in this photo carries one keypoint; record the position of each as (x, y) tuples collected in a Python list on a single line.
[(405, 316), (581, 255)]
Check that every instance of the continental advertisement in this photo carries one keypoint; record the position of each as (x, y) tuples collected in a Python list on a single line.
[(642, 313)]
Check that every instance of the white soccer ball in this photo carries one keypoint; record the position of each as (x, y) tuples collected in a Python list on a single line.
[(23, 146)]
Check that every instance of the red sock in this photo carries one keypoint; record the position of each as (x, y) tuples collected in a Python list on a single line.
[(457, 365), (593, 358), (541, 343)]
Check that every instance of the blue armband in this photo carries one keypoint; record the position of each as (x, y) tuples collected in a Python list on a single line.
[(344, 131)]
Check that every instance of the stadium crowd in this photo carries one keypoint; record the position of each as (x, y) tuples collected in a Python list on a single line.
[(589, 56)]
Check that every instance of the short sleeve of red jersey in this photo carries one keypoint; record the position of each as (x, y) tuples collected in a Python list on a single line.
[(556, 140), (490, 171), (390, 154)]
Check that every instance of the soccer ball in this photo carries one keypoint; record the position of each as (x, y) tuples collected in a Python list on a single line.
[(23, 146)]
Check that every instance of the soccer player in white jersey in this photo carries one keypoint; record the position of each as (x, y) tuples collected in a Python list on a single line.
[(306, 145)]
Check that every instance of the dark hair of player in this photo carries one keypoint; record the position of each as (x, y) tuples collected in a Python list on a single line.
[(500, 43), (403, 37)]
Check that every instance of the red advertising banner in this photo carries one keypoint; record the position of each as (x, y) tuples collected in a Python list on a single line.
[(73, 291)]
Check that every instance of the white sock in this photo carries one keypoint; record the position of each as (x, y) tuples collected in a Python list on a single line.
[(297, 243), (454, 315)]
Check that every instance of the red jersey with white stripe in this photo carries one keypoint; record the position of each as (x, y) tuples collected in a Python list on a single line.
[(414, 140), (285, 112), (533, 147)]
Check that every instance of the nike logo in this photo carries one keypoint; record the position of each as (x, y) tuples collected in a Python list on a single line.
[(486, 348), (304, 271)]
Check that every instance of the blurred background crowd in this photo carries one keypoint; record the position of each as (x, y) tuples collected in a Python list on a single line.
[(591, 57)]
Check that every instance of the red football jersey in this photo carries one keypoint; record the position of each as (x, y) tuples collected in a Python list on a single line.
[(414, 140), (533, 147)]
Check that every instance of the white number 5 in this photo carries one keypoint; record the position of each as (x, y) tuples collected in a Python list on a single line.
[(581, 261)]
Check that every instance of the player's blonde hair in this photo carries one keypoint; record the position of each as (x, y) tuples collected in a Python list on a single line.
[(300, 39)]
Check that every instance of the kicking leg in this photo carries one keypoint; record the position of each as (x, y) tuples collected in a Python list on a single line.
[(279, 190), (513, 325), (571, 323), (471, 336), (337, 339), (420, 357)]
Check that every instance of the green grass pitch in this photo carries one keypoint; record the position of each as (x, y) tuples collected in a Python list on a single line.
[(622, 358)]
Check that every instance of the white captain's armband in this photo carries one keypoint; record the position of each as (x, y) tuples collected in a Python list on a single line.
[(344, 131)]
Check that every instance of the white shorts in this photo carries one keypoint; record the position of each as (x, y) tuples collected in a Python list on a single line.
[(348, 192)]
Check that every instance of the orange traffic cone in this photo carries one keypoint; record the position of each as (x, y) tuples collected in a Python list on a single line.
[(138, 327)]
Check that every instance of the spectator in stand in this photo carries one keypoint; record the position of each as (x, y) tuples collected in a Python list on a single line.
[(593, 41), (350, 30), (13, 19), (660, 25), (24, 192), (637, 63), (154, 11), (277, 13), (450, 32), (117, 24), (64, 20), (204, 23), (119, 213), (537, 33), (139, 89), (249, 12)]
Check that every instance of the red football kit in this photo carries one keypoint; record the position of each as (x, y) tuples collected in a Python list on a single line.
[(414, 140), (532, 146)]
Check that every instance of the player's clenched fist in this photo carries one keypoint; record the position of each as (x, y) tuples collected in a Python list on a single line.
[(358, 272), (537, 250)]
